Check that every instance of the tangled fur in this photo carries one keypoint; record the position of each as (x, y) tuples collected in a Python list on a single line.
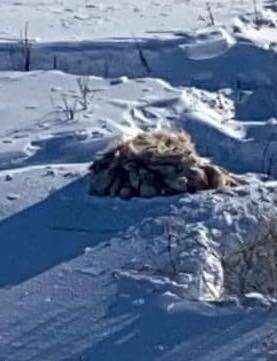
[(153, 164)]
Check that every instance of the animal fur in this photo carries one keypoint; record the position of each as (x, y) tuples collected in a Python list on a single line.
[(153, 164)]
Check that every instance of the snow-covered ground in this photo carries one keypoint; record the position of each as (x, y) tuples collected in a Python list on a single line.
[(67, 289), (83, 278), (74, 20)]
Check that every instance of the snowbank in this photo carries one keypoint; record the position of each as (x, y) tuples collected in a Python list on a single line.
[(214, 244)]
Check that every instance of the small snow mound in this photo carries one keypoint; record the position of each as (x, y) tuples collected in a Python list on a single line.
[(214, 247), (208, 44)]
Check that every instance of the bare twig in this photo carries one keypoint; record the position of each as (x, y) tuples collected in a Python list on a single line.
[(71, 104), (84, 91), (210, 12), (69, 107), (170, 246), (256, 14), (26, 46)]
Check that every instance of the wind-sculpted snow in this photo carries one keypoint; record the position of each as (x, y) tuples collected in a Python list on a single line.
[(215, 244), (211, 59), (121, 108)]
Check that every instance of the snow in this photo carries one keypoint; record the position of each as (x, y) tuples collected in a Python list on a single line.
[(83, 278), (54, 20), (66, 288), (208, 46)]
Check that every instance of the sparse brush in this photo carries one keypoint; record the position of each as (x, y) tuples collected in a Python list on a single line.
[(69, 107), (84, 91)]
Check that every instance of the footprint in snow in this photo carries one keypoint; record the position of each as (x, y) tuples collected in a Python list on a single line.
[(13, 196)]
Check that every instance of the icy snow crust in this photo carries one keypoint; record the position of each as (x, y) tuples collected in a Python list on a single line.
[(88, 279)]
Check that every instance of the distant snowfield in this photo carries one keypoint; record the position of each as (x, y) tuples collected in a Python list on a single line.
[(74, 269), (74, 20)]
